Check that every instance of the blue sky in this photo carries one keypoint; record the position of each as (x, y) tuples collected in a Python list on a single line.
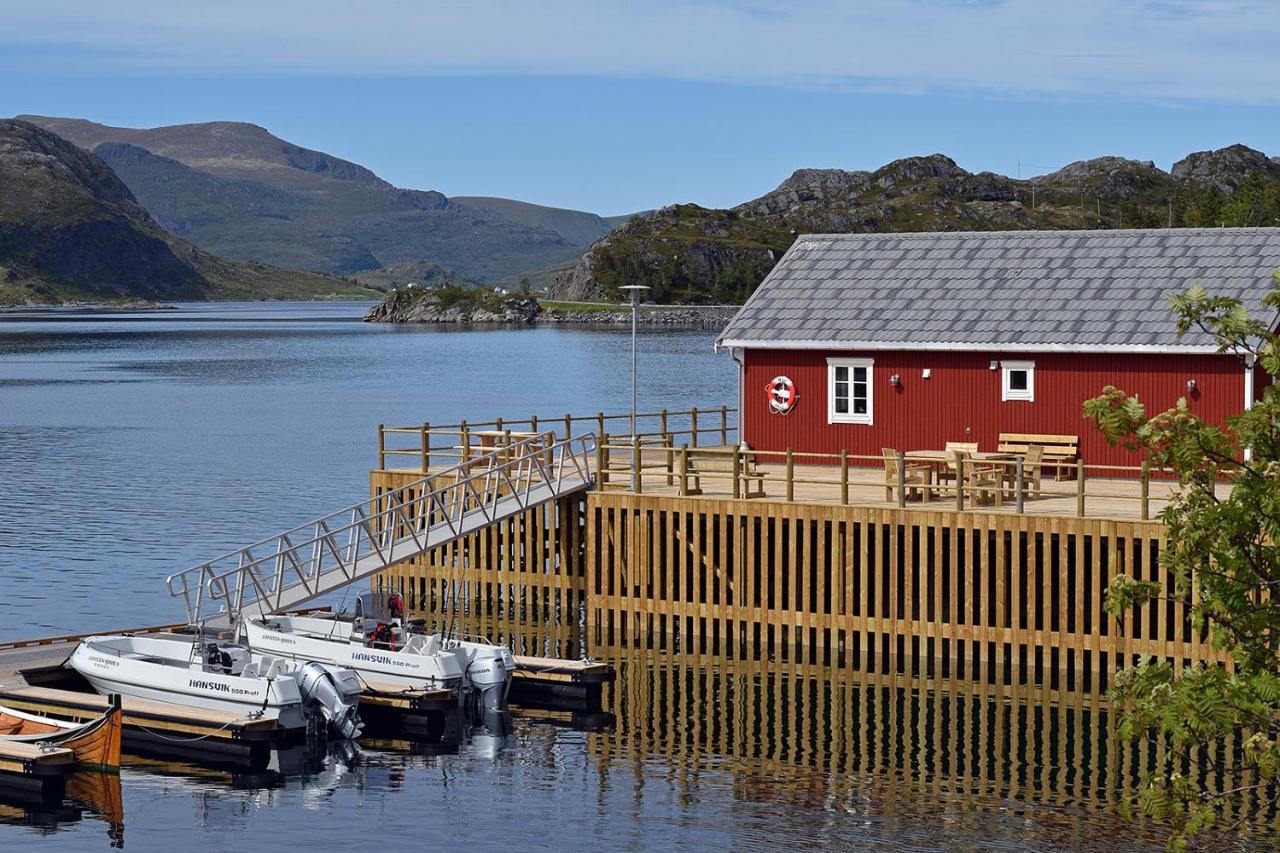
[(614, 106)]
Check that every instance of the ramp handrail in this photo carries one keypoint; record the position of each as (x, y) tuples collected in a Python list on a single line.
[(360, 540)]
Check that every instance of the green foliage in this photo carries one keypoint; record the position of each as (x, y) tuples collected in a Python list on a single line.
[(1256, 202), (1216, 729)]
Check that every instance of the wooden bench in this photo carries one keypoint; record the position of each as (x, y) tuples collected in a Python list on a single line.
[(718, 459), (1060, 451)]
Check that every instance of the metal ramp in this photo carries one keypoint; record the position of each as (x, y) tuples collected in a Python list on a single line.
[(357, 542)]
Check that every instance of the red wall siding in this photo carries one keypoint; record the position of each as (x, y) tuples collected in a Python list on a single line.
[(961, 400)]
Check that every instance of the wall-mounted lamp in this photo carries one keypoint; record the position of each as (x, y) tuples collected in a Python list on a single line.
[(894, 380), (1191, 385), (924, 374), (995, 365)]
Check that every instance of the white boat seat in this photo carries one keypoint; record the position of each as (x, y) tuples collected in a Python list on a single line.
[(424, 644)]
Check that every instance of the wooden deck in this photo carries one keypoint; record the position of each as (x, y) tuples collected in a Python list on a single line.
[(1103, 497)]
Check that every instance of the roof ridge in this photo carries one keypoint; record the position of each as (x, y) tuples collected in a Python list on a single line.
[(1253, 229)]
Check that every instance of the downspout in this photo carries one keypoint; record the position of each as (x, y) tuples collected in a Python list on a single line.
[(738, 356), (1248, 395)]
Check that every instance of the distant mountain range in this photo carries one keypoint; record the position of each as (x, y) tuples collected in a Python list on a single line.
[(237, 190), (687, 253), (71, 230)]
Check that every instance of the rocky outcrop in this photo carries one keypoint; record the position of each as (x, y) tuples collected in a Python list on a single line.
[(689, 253), (453, 305), (478, 306), (1225, 168)]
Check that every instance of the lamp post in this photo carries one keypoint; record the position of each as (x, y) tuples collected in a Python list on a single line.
[(634, 291)]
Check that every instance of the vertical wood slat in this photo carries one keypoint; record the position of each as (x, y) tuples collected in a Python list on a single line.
[(748, 571)]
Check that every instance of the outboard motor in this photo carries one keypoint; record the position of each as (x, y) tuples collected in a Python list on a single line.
[(488, 673), (335, 694)]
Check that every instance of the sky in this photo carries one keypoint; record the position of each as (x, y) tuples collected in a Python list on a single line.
[(613, 106)]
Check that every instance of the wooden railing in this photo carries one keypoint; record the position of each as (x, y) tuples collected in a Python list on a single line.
[(425, 446), (655, 463)]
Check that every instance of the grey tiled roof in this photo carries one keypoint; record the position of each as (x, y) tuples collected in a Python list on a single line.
[(1014, 289)]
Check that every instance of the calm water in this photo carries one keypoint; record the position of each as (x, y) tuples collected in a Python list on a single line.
[(134, 445)]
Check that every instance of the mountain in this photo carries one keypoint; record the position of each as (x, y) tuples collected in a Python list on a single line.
[(236, 189), (71, 230), (576, 226), (687, 253)]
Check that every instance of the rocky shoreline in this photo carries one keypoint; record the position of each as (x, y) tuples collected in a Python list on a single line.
[(425, 307)]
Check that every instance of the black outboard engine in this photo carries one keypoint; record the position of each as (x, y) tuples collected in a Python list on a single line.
[(334, 694)]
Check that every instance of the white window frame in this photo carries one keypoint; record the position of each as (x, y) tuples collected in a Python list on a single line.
[(834, 417), (1008, 394)]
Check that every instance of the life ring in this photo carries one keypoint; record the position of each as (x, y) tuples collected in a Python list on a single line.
[(782, 395)]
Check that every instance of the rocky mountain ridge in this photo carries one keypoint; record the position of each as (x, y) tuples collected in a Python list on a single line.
[(687, 253), (236, 189), (70, 230)]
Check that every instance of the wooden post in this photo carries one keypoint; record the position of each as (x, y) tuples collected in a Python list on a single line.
[(568, 427), (497, 424), (465, 435), (737, 472), (600, 424), (1017, 485), (662, 422), (635, 465), (684, 470), (533, 424), (602, 475), (959, 482), (902, 479), (1146, 491), (667, 446), (693, 420), (1080, 488), (382, 448), (426, 446), (791, 476), (724, 425), (844, 476)]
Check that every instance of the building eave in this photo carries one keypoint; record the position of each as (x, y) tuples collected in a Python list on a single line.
[(944, 346)]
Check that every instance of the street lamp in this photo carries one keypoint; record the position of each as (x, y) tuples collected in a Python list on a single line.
[(633, 291)]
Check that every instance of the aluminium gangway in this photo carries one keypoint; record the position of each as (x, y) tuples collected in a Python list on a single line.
[(355, 543)]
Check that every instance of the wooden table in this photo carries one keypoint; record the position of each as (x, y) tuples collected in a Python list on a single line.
[(937, 458)]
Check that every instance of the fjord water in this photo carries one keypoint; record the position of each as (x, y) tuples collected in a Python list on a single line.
[(132, 445)]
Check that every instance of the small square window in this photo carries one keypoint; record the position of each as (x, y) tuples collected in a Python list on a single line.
[(1017, 380)]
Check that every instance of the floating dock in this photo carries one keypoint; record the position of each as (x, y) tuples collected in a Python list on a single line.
[(560, 684)]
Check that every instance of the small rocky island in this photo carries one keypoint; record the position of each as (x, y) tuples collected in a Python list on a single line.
[(452, 303)]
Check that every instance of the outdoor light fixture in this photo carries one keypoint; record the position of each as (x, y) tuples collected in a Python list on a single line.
[(924, 374), (1191, 385), (995, 365), (894, 380)]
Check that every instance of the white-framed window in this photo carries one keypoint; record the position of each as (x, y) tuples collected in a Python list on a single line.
[(1018, 380), (849, 390)]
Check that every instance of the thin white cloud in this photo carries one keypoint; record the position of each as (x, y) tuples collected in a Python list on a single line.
[(1214, 50)]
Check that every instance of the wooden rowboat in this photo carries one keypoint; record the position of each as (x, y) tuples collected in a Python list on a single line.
[(95, 742)]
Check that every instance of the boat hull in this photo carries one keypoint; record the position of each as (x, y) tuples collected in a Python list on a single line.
[(96, 743), (393, 668), (276, 699)]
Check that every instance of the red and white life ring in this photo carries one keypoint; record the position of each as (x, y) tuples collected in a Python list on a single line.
[(782, 395)]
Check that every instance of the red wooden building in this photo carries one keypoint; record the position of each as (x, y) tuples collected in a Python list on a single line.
[(866, 341)]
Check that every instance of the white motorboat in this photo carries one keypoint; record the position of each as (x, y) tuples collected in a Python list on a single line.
[(222, 677), (376, 643)]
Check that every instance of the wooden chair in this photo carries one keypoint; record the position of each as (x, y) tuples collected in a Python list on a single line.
[(913, 475), (981, 480), (947, 474), (1059, 451), (1032, 463)]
